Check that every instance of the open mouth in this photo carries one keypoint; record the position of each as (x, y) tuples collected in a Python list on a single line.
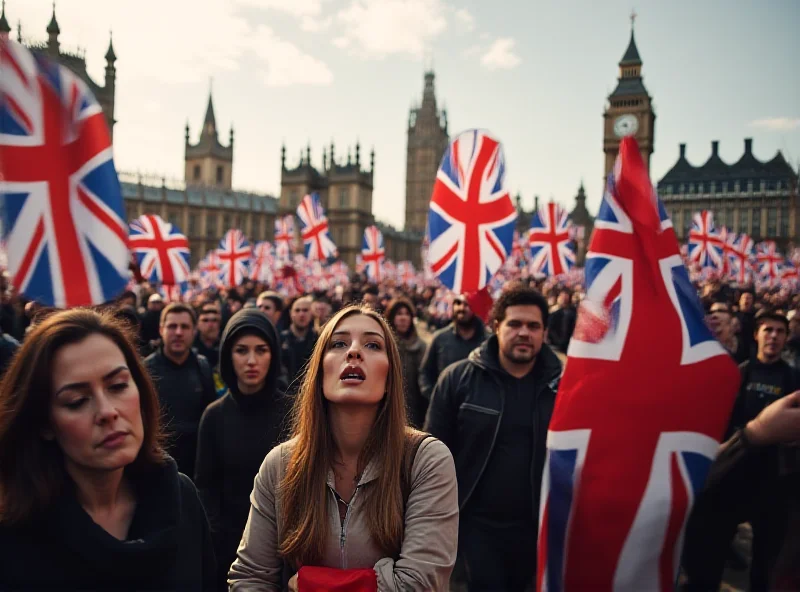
[(352, 374)]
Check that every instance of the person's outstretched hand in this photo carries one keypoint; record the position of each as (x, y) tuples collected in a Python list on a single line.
[(778, 423)]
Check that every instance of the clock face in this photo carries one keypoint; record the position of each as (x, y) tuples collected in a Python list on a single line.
[(625, 125)]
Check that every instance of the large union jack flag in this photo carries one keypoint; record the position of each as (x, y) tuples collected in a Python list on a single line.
[(162, 252), (60, 198), (706, 244), (550, 240), (373, 254), (739, 252), (769, 261), (234, 258), (471, 218), (284, 238), (263, 266), (632, 434), (315, 232)]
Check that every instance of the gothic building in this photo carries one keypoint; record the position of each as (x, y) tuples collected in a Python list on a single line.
[(629, 111), (208, 162), (759, 198), (427, 142), (74, 60)]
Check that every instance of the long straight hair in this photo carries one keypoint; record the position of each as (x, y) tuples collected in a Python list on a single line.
[(32, 470), (303, 489)]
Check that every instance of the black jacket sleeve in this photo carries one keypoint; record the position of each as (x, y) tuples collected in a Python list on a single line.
[(428, 370), (442, 418), (207, 571), (208, 467), (207, 378)]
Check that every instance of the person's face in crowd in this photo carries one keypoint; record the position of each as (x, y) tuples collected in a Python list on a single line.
[(177, 333), (301, 314), (521, 333), (770, 337), (462, 313), (720, 321), (794, 327), (370, 300), (321, 311), (356, 364), (563, 299), (234, 306), (402, 320), (251, 359), (95, 415), (267, 306), (208, 324), (576, 299), (746, 302)]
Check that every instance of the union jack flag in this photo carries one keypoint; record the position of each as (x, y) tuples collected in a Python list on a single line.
[(407, 274), (739, 251), (284, 237), (789, 275), (234, 258), (632, 435), (210, 270), (162, 252), (263, 262), (60, 198), (769, 261), (550, 239), (706, 245), (471, 218), (372, 253), (315, 232)]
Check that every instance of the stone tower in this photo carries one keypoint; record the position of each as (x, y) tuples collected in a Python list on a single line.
[(630, 109), (427, 142), (208, 162), (75, 60)]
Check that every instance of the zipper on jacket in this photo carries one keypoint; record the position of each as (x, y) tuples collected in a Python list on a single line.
[(343, 533)]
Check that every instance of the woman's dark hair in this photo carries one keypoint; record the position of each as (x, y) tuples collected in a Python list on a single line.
[(32, 471), (519, 295), (395, 306)]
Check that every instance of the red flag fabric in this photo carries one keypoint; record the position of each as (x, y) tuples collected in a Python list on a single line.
[(641, 407), (327, 579), (481, 303)]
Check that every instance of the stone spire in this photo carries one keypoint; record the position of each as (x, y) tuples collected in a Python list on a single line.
[(5, 28)]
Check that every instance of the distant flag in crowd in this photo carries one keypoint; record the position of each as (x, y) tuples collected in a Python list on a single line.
[(284, 237), (471, 218), (210, 270), (789, 275), (263, 264), (706, 245), (406, 274), (769, 261), (234, 258), (174, 293), (550, 240), (739, 250), (315, 232), (161, 250), (373, 254), (632, 434), (60, 200)]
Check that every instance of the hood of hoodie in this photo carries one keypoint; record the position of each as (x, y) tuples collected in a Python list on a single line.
[(249, 320), (487, 356)]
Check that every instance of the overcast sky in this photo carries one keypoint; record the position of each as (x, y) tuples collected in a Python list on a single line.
[(535, 73)]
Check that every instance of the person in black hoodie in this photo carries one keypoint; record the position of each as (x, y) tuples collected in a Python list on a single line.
[(238, 430), (89, 500)]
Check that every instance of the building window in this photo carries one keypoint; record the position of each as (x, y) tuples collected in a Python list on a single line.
[(720, 218), (756, 227), (293, 199), (680, 188), (211, 226), (175, 219), (220, 173), (784, 221), (192, 224), (724, 187), (691, 188), (778, 185), (226, 222), (197, 172), (343, 197), (687, 221), (772, 221), (729, 217), (744, 220)]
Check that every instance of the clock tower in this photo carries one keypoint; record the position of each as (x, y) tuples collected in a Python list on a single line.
[(629, 111)]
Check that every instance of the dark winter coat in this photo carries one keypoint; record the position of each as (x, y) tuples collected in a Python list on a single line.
[(446, 347), (467, 407), (236, 433), (168, 546), (412, 350)]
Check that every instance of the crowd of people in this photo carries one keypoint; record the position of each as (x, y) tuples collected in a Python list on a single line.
[(227, 441)]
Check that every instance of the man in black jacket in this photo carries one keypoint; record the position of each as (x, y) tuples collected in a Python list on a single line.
[(493, 411), (297, 342), (450, 344), (184, 382)]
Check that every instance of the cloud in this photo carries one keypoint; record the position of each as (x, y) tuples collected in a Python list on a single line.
[(501, 55), (377, 28), (465, 20), (777, 124), (341, 42), (295, 8), (285, 64), (472, 51), (311, 25)]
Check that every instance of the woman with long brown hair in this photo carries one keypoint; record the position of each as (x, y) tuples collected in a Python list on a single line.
[(89, 500), (355, 487)]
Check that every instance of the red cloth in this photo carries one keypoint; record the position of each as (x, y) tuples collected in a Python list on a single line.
[(481, 303), (327, 579)]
